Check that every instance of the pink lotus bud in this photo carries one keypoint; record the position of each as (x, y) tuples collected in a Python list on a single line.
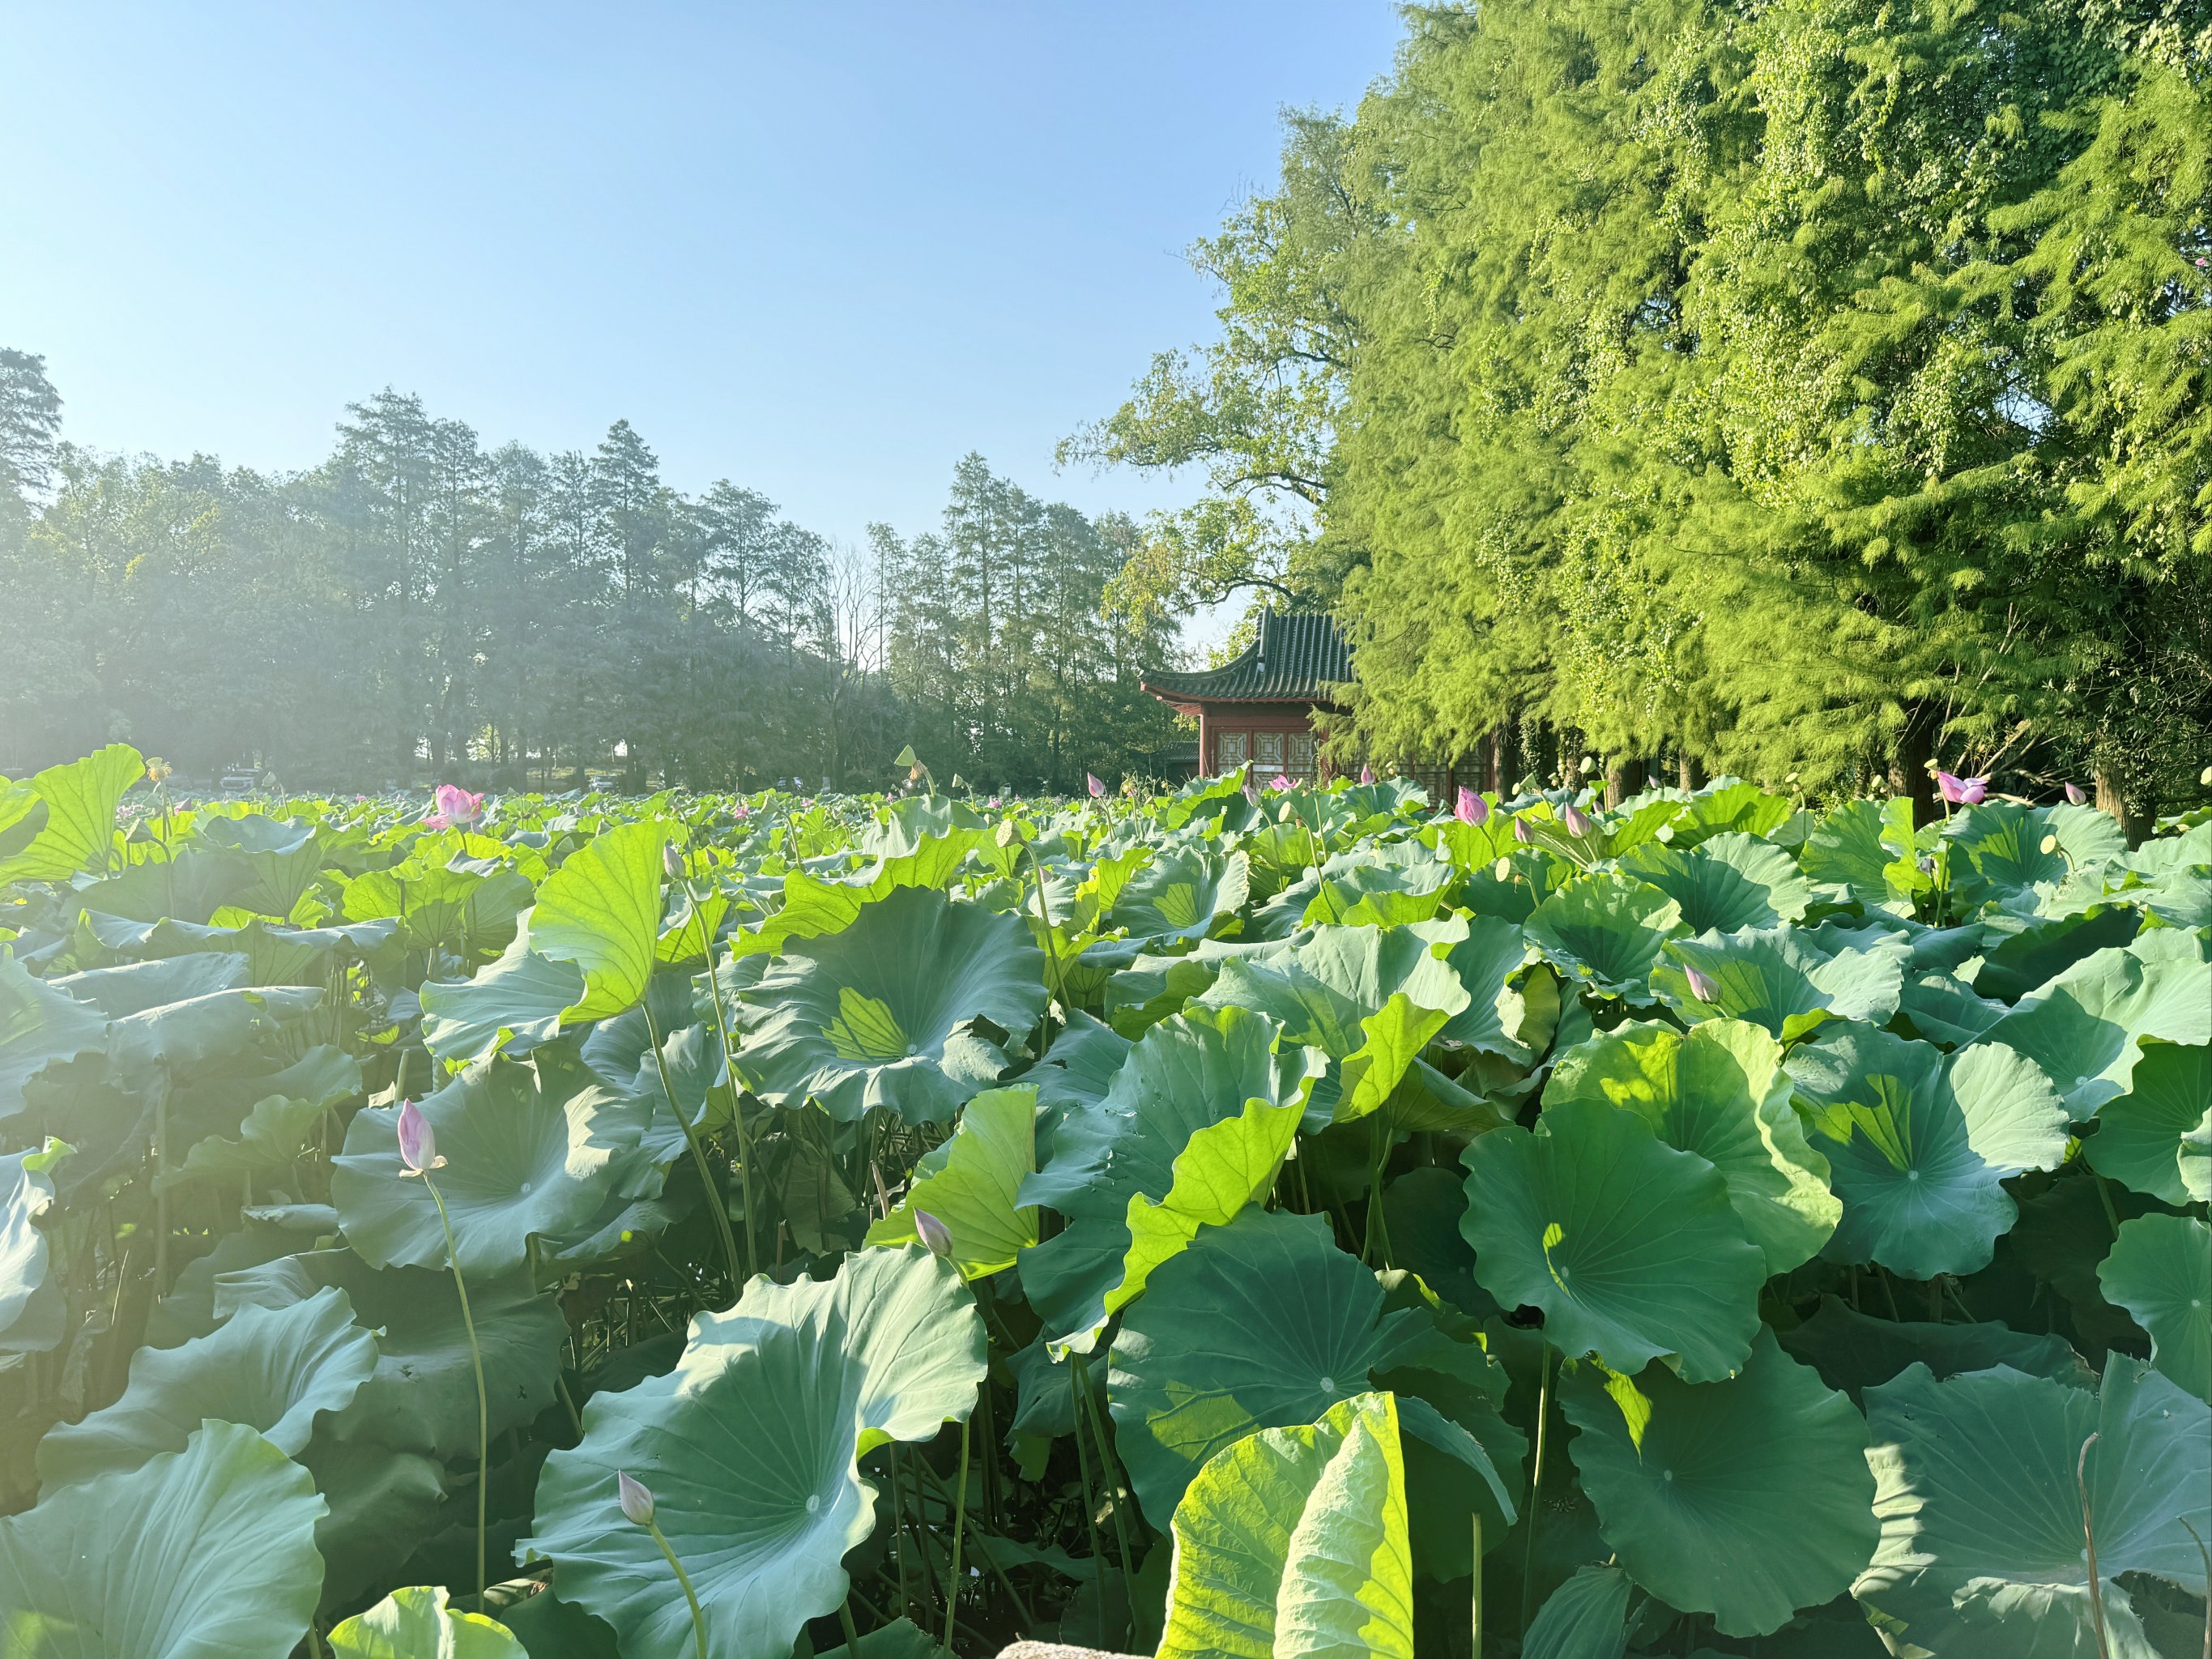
[(1962, 792), (934, 1233), (2073, 794), (671, 861), (741, 811), (1576, 819), (1521, 831), (1251, 792), (636, 1500), (1096, 787), (1367, 773), (1278, 783), (1701, 988), (1471, 808), (418, 1144)]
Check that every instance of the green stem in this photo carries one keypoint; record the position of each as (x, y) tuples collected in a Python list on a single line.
[(1535, 1491), (483, 1400), (698, 1619), (1115, 1483), (959, 1525), (736, 1095), (2089, 1549), (1089, 1498), (715, 1199), (845, 1623), (1477, 1613)]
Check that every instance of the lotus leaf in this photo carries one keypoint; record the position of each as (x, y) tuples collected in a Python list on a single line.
[(416, 1624), (203, 1553), (513, 1004), (1586, 1618), (1981, 1553), (1294, 1540), (32, 1305), (1919, 1144), (1630, 1247), (750, 1447), (1181, 893), (1745, 1500), (2161, 1271), (601, 910), (2139, 1134), (1607, 931), (39, 1024), (971, 1182), (1997, 849), (1865, 848), (1724, 883), (79, 798), (2087, 1027), (1853, 1351), (878, 1014), (1776, 978), (1719, 1091)]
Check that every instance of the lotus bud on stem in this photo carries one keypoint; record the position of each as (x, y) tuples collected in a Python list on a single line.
[(418, 1150), (638, 1509)]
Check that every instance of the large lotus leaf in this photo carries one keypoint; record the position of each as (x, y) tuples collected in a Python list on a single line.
[(137, 987), (275, 1130), (601, 910), (1865, 848), (1607, 931), (1262, 1323), (423, 1396), (1181, 893), (1918, 1143), (1996, 850), (750, 1446), (2161, 1271), (1777, 978), (1586, 1618), (1726, 882), (1946, 1012), (1121, 1158), (814, 906), (22, 815), (280, 860), (526, 1159), (1294, 1540), (32, 1309), (1728, 803), (1510, 1012), (2021, 954), (416, 1624), (1746, 1499), (1854, 1352), (1077, 1070), (2139, 1135), (2087, 1027), (81, 798), (471, 907), (205, 1553), (877, 1015), (971, 1182), (1630, 1247), (1981, 1553), (1719, 1091), (385, 1504), (274, 1369), (514, 1003), (39, 1025)]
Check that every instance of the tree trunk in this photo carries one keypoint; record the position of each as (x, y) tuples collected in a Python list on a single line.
[(1910, 772), (1498, 759), (2136, 815), (1689, 772)]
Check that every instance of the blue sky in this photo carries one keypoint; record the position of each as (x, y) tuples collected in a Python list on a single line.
[(822, 249)]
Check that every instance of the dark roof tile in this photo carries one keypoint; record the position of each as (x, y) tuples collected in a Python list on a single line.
[(1297, 655)]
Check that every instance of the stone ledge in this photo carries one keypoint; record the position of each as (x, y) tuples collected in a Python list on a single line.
[(1058, 1651)]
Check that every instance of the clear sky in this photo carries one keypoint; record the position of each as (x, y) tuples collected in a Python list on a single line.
[(823, 249)]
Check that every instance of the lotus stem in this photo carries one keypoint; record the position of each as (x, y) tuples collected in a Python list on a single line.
[(2207, 1553), (1090, 1495), (483, 1400), (2089, 1549), (959, 1525), (845, 1623), (715, 1199), (698, 1619), (1116, 1482), (1535, 1491), (737, 1093), (1476, 1612)]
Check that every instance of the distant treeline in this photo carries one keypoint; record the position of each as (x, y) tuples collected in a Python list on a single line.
[(420, 605)]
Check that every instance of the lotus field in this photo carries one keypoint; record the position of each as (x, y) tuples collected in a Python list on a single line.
[(1251, 1220)]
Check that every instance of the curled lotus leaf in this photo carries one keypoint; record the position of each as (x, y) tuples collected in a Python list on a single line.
[(2141, 1133), (1778, 978), (1606, 931), (2161, 1271), (416, 1624), (2086, 1028)]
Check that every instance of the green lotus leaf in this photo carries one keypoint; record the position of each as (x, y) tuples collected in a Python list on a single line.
[(1996, 850), (526, 1159), (39, 1025), (1746, 1499), (416, 1624), (1630, 1247), (471, 908), (815, 907), (1727, 804), (1725, 882), (1181, 894), (22, 815), (2161, 1271), (1719, 1091), (2087, 1027), (1854, 1352), (2139, 1135), (550, 1628), (1294, 1540), (1778, 978), (32, 1307), (2195, 1159), (81, 798), (274, 1131), (274, 1369), (1114, 1168), (1263, 1323), (750, 1447), (1607, 930), (1510, 1012), (423, 1396), (1981, 1553), (900, 1639), (514, 1003), (971, 1182), (601, 910), (385, 1504), (1077, 1070), (280, 860), (1586, 1618), (1919, 1142), (1865, 848), (1945, 1011), (877, 1015), (2021, 954), (205, 1553)]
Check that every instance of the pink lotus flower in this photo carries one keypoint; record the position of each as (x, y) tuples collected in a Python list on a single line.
[(741, 811), (1096, 787), (1367, 773), (418, 1143), (1701, 987), (934, 1233), (455, 808), (1278, 782), (2073, 794), (1962, 792), (1576, 819), (1521, 831), (1471, 807), (635, 1498)]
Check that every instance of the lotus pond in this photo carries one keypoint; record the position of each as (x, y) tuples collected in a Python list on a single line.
[(1238, 1222)]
